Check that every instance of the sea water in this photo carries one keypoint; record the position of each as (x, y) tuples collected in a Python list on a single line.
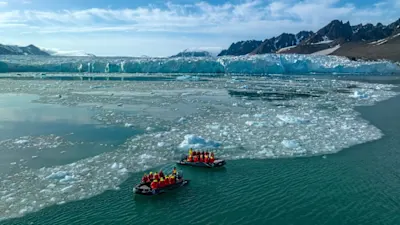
[(251, 122)]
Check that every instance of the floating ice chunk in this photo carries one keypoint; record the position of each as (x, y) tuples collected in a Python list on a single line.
[(160, 144), (196, 142), (259, 115), (22, 141), (68, 188), (214, 126), (114, 166), (123, 170), (360, 95), (25, 210), (67, 179), (187, 77), (58, 175), (255, 123), (290, 144), (128, 125), (292, 119)]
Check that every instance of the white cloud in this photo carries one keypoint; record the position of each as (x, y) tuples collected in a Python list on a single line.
[(3, 3), (201, 22)]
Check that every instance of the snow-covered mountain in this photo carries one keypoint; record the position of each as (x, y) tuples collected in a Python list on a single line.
[(19, 50), (336, 38), (57, 52)]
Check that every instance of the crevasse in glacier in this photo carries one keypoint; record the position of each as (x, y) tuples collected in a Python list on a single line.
[(257, 64)]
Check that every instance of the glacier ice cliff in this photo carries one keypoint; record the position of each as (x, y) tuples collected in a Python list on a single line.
[(257, 64)]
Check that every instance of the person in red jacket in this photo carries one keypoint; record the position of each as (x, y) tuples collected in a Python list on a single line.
[(161, 184), (166, 181), (212, 159), (196, 158), (154, 185), (206, 159), (151, 177), (201, 158), (161, 174), (156, 176), (145, 179)]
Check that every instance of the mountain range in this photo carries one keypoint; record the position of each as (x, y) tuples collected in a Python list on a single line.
[(33, 50), (362, 41), (337, 38), (17, 50)]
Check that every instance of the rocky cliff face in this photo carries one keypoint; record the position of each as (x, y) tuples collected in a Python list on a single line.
[(282, 41), (241, 48), (335, 30)]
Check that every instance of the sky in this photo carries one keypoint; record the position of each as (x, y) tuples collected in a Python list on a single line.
[(163, 28)]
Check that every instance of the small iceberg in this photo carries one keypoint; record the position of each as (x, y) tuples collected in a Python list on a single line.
[(290, 144), (197, 142)]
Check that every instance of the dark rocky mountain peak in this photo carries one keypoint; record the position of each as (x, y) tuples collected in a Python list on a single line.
[(335, 30), (241, 48)]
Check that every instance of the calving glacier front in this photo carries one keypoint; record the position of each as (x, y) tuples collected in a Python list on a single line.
[(258, 64)]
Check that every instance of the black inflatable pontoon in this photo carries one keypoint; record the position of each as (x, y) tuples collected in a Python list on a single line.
[(144, 189), (217, 163)]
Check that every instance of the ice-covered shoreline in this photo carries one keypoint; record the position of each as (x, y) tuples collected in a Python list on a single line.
[(262, 118), (257, 64)]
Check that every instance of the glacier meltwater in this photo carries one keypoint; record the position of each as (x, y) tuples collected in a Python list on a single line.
[(257, 64), (241, 117)]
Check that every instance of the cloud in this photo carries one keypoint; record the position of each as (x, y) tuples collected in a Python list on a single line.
[(201, 22), (3, 3), (251, 18)]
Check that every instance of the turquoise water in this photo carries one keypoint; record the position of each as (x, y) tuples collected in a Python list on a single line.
[(79, 135), (358, 185)]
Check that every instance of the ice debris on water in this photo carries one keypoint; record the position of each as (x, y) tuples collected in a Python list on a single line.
[(214, 117)]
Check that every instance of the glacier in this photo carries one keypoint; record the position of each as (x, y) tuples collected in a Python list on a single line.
[(254, 65)]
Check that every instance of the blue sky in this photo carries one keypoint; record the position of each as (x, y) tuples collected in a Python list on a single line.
[(162, 28)]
